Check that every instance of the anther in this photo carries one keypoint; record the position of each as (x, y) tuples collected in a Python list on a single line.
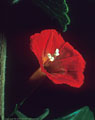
[(57, 52), (49, 55), (52, 59)]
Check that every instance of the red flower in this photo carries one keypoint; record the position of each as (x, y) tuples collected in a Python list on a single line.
[(58, 59)]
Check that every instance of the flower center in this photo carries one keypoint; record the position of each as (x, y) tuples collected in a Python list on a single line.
[(49, 61), (49, 57), (52, 57)]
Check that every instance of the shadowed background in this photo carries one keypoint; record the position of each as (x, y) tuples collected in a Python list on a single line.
[(25, 19)]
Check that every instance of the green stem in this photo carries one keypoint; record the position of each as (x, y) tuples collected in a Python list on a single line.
[(22, 116), (2, 73)]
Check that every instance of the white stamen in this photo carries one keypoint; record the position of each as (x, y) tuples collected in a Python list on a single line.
[(49, 55), (57, 52), (52, 59)]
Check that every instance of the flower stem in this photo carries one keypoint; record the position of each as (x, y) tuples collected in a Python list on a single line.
[(2, 73), (38, 74)]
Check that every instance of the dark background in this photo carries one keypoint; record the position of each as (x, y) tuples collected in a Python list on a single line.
[(21, 21)]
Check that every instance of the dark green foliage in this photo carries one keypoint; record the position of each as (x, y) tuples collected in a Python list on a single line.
[(57, 9)]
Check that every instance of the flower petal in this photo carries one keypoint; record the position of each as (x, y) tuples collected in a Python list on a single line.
[(73, 79), (34, 45), (74, 64), (52, 40), (67, 68), (45, 42)]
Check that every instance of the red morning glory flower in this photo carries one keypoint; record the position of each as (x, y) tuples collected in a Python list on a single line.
[(58, 59)]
